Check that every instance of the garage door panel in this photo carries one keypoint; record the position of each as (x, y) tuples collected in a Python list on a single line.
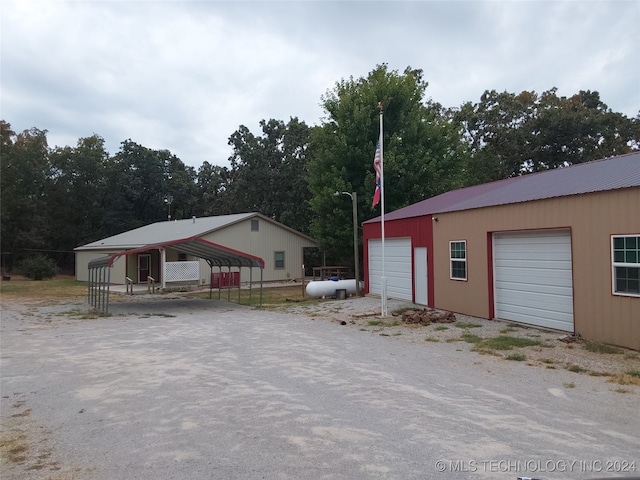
[(397, 253), (533, 278), (535, 316), (548, 277), (511, 288), (542, 300), (536, 312)]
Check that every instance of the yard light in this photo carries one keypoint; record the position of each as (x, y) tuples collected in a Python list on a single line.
[(354, 201), (168, 199)]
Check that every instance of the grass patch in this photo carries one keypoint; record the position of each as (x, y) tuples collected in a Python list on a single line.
[(634, 373), (470, 338), (58, 288), (468, 325), (570, 385), (576, 369), (431, 339), (602, 348), (272, 297), (508, 330), (148, 315), (14, 449), (441, 328), (504, 342), (517, 357), (85, 314), (624, 379)]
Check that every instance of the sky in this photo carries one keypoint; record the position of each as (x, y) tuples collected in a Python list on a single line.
[(184, 75)]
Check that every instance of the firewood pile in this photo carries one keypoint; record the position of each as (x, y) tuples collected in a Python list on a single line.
[(425, 316)]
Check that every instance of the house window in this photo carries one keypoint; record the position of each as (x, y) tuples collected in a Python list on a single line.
[(182, 257), (279, 260), (458, 260), (255, 225), (625, 256)]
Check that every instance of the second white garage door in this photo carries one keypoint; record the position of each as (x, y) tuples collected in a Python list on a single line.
[(397, 267), (533, 278)]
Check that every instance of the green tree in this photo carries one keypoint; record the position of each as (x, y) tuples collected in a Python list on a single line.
[(212, 190), (423, 152), (24, 178), (148, 186), (268, 172), (511, 134), (78, 196)]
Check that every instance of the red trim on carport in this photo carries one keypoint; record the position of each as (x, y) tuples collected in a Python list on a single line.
[(206, 243)]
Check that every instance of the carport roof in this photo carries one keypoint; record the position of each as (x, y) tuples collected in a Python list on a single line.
[(215, 254)]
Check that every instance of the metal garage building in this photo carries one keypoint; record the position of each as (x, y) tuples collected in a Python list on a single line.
[(557, 249)]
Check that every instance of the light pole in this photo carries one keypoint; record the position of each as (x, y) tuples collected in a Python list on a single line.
[(168, 199), (354, 201)]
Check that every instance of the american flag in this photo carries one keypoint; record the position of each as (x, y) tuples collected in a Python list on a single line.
[(377, 166)]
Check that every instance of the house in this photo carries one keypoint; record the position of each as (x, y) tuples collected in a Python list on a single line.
[(557, 249), (169, 251)]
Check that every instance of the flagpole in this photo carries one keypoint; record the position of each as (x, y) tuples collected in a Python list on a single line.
[(384, 278)]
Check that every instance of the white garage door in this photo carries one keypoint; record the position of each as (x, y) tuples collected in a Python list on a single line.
[(533, 281), (397, 269)]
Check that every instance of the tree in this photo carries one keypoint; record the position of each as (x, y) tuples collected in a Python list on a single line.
[(423, 153), (268, 172), (212, 190), (511, 134), (24, 175), (78, 197), (148, 186)]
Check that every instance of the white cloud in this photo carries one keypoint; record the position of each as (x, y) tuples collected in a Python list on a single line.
[(184, 75)]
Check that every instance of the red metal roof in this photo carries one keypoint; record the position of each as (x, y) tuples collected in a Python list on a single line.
[(218, 255), (600, 175)]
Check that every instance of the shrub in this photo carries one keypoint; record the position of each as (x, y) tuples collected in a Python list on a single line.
[(38, 267)]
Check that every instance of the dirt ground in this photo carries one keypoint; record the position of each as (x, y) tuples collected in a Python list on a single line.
[(29, 449), (556, 350)]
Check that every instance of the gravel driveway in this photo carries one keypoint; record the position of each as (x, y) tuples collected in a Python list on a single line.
[(173, 387)]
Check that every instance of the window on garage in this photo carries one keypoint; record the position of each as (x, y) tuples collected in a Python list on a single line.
[(255, 225), (625, 254), (279, 259), (458, 259)]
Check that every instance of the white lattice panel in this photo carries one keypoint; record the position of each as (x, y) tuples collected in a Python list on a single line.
[(181, 271)]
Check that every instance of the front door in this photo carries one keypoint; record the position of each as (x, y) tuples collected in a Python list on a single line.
[(144, 267)]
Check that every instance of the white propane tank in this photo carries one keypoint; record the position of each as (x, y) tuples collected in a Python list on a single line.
[(324, 288)]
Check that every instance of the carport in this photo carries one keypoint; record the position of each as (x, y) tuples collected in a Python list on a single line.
[(214, 254)]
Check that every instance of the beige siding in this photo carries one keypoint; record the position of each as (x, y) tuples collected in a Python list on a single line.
[(592, 219), (264, 243), (82, 266)]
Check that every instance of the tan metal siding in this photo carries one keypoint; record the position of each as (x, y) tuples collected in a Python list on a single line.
[(82, 266), (592, 218), (264, 243)]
